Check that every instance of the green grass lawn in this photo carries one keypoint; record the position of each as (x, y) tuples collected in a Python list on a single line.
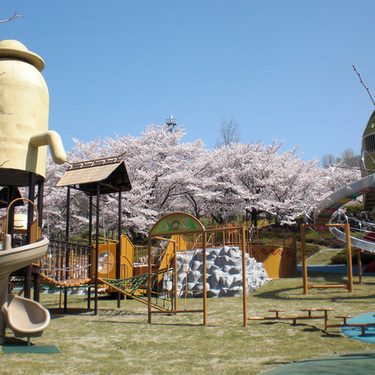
[(120, 341), (322, 257)]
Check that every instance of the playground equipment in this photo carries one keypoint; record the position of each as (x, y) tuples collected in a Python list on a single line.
[(69, 265), (368, 162), (177, 223), (310, 314), (323, 219), (328, 210), (110, 266), (325, 228), (24, 103), (94, 178), (331, 224), (24, 318), (182, 224), (276, 249), (133, 281), (23, 136), (345, 323), (314, 314)]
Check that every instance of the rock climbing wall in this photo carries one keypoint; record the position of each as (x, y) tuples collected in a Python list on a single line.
[(223, 276)]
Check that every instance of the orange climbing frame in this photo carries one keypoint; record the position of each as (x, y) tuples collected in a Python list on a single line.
[(306, 285)]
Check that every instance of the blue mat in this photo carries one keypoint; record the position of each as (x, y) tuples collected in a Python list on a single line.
[(356, 333)]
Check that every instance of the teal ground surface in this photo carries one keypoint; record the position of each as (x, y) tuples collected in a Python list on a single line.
[(353, 363), (356, 333), (31, 349), (343, 364)]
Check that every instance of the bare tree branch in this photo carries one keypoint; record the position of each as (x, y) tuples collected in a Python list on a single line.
[(360, 80), (12, 18), (228, 132)]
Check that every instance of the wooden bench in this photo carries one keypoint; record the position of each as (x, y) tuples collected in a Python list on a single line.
[(324, 316), (294, 319), (275, 317)]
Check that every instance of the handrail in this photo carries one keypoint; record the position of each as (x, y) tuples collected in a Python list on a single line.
[(22, 199)]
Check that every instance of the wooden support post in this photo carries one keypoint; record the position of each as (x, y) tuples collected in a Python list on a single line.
[(67, 221), (40, 202), (37, 285), (349, 258), (30, 216), (304, 261), (97, 248), (204, 278), (244, 291), (65, 300), (90, 244), (61, 299), (359, 266), (175, 286), (66, 255), (118, 248), (149, 280)]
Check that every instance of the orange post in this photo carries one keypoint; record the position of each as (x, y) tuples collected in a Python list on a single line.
[(349, 258), (359, 266), (149, 280), (304, 261), (244, 292), (204, 279), (349, 284), (175, 275)]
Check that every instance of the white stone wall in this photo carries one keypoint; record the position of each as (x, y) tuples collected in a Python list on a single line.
[(223, 275)]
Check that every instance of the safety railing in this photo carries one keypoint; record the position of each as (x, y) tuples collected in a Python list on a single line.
[(66, 261)]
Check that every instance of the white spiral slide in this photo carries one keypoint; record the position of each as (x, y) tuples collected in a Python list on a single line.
[(24, 317), (327, 207)]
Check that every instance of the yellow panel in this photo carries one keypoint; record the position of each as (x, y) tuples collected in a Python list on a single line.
[(127, 258), (107, 261), (277, 261)]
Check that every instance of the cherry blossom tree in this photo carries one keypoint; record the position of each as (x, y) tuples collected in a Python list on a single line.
[(158, 164), (169, 175), (288, 184)]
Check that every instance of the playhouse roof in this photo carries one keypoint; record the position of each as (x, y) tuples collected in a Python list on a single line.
[(109, 173)]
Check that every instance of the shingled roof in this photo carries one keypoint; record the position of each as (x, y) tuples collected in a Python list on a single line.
[(110, 173)]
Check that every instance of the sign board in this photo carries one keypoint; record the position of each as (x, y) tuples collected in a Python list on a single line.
[(176, 223)]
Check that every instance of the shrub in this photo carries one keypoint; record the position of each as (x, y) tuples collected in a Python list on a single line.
[(355, 208), (340, 258)]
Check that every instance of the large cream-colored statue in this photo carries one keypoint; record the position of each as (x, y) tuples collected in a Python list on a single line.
[(24, 104), (24, 137)]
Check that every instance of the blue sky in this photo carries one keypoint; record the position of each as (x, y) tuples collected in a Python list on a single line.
[(280, 69)]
